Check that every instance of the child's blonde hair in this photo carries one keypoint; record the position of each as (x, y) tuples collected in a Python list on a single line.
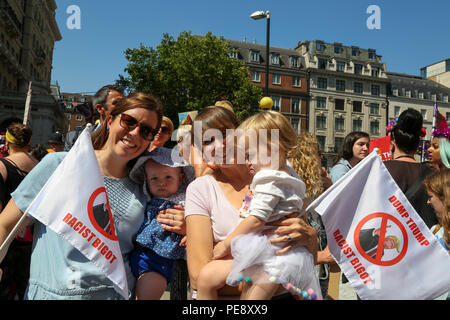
[(439, 183), (272, 120)]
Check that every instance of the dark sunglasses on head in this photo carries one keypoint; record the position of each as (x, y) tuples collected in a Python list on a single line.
[(130, 123)]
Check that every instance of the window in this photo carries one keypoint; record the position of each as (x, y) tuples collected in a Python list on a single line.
[(420, 95), (358, 87), (321, 122), (233, 54), (337, 49), (372, 54), (340, 85), (340, 66), (445, 98), (339, 124), (339, 104), (396, 111), (338, 143), (375, 90), (320, 46), (357, 125), (357, 106), (276, 103), (294, 62), (355, 51), (82, 99), (296, 81), (374, 127), (408, 93), (358, 68), (375, 72), (276, 78), (322, 83), (321, 102), (68, 116), (424, 113), (322, 63), (254, 56), (295, 105), (294, 124), (256, 76), (374, 108), (275, 59), (321, 141), (79, 117), (395, 92)]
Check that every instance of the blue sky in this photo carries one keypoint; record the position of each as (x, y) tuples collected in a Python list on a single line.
[(413, 34)]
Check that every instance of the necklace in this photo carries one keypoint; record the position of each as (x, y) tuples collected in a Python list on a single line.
[(405, 156)]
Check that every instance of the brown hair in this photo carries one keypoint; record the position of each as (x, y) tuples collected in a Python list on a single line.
[(439, 183), (132, 101), (21, 133)]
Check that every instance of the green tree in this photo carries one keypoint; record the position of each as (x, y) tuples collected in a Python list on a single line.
[(190, 73)]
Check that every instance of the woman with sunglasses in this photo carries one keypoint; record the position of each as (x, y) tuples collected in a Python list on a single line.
[(59, 271), (163, 135)]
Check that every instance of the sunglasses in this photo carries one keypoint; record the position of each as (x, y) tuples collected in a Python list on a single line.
[(165, 130), (129, 123)]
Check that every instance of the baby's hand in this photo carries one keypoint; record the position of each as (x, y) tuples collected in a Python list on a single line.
[(221, 250)]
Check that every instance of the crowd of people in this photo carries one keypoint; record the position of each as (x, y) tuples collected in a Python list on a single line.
[(240, 225)]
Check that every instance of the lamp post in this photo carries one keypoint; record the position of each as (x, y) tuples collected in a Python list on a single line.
[(256, 16)]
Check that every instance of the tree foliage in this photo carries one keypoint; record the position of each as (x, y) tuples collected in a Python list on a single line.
[(190, 73)]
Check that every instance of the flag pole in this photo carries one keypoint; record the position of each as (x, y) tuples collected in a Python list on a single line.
[(11, 236), (26, 113), (433, 126)]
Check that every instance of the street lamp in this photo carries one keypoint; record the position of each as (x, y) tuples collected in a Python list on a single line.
[(260, 15)]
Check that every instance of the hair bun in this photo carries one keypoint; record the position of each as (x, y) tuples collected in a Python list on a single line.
[(410, 121)]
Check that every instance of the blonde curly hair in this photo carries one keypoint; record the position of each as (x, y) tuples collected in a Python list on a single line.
[(304, 158)]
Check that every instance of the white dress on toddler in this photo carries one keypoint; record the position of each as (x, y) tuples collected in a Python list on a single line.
[(273, 194)]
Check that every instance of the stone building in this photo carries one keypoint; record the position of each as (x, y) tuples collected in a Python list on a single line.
[(28, 32), (409, 91), (348, 90)]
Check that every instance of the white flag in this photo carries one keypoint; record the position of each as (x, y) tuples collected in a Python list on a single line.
[(381, 244), (74, 204)]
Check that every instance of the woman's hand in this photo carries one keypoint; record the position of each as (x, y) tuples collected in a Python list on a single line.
[(172, 219), (294, 232)]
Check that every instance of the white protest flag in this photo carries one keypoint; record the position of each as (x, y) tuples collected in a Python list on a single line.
[(74, 204), (381, 244)]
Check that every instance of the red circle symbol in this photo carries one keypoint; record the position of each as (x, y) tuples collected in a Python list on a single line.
[(111, 233), (384, 220)]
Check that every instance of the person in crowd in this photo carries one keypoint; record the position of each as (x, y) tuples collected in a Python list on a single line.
[(305, 159), (164, 177), (437, 185), (55, 142), (13, 170), (354, 148), (246, 253), (102, 103), (439, 150), (213, 202), (104, 100), (225, 103), (58, 270), (164, 134), (404, 169), (38, 151)]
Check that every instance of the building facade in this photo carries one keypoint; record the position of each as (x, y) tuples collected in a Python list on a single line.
[(409, 91), (438, 72), (288, 85), (348, 90), (28, 32)]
